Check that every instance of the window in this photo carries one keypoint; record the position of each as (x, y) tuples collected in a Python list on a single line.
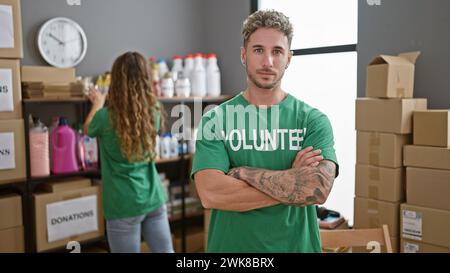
[(323, 74)]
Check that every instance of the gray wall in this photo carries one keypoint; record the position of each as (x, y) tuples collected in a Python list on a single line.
[(159, 28), (409, 25)]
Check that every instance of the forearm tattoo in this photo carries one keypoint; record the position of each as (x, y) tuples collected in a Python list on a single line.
[(299, 186)]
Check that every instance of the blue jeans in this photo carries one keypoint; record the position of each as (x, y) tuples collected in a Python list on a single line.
[(124, 235)]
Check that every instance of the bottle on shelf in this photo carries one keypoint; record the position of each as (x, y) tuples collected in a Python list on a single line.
[(182, 86), (198, 77), (63, 142), (213, 87), (165, 146), (167, 86), (154, 72), (87, 151), (188, 67), (100, 83), (107, 83), (39, 149), (174, 146), (177, 67), (162, 68)]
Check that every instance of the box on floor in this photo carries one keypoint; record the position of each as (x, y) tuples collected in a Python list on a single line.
[(370, 213)]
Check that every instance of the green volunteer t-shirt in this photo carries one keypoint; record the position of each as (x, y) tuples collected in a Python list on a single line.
[(129, 189), (236, 134)]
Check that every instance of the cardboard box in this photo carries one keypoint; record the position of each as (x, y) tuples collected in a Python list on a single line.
[(432, 128), (380, 149), (428, 188), (67, 185), (10, 90), (385, 184), (11, 46), (41, 202), (426, 225), (391, 76), (12, 151), (12, 240), (370, 213), (394, 243), (426, 157), (48, 74), (387, 115), (10, 211), (194, 241), (410, 246)]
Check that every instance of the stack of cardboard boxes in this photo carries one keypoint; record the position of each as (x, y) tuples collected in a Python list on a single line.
[(12, 141), (384, 126), (12, 138), (425, 218)]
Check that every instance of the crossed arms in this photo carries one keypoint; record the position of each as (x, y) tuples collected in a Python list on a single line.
[(308, 182)]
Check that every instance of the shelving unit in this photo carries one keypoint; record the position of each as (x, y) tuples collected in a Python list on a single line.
[(28, 187)]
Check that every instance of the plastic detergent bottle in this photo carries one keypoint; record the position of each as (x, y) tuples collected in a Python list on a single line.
[(165, 146), (63, 142), (107, 82), (188, 67), (177, 67), (90, 149), (212, 76), (162, 68), (39, 149), (174, 149), (198, 83)]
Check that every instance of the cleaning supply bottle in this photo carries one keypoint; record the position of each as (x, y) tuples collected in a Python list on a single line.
[(177, 67), (198, 83), (167, 85), (90, 148), (39, 149), (100, 83), (174, 149), (154, 72), (63, 142), (188, 67), (212, 76), (165, 146), (162, 68), (107, 82), (53, 125)]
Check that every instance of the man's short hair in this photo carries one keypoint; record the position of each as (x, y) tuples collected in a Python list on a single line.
[(267, 19)]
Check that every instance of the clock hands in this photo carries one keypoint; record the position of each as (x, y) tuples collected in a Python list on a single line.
[(58, 40)]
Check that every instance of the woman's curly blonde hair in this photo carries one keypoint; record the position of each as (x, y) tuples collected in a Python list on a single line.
[(133, 107)]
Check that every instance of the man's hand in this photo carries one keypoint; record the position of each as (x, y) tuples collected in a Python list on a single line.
[(307, 158)]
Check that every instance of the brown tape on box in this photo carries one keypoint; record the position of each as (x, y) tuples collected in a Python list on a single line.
[(401, 93), (373, 192), (374, 148), (373, 213), (374, 174)]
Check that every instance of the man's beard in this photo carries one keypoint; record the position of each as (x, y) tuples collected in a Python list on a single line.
[(261, 85)]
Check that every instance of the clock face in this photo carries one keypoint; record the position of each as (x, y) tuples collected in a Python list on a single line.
[(62, 42)]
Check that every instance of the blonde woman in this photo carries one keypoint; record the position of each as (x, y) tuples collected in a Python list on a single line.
[(133, 197)]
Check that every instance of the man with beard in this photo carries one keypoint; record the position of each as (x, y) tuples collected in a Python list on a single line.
[(264, 159)]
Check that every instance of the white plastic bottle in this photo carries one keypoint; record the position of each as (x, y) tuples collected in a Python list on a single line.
[(177, 67), (167, 86), (165, 146), (39, 149), (188, 67), (198, 77), (173, 146), (213, 87), (157, 147), (182, 86), (162, 68)]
